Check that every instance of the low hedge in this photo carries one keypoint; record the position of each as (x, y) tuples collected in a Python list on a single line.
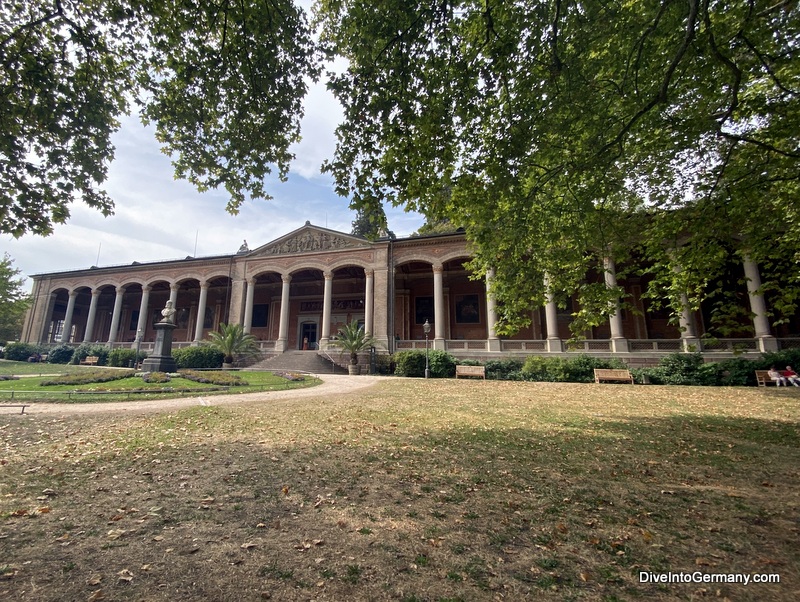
[(412, 363), (225, 379), (88, 377), (198, 357)]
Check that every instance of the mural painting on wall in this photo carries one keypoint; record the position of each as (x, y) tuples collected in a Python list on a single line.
[(467, 309), (423, 310)]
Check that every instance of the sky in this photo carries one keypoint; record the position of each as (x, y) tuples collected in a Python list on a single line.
[(159, 218)]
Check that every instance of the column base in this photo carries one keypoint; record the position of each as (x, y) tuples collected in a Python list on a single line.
[(493, 345), (690, 344), (438, 344), (767, 343), (620, 346), (281, 345), (555, 346), (323, 343)]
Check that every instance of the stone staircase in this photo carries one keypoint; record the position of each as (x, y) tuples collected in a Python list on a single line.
[(299, 361)]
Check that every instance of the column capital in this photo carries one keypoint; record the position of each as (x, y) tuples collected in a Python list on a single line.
[(146, 288), (96, 292), (120, 290), (327, 275), (438, 268), (204, 285), (286, 278), (174, 287), (73, 294), (369, 273)]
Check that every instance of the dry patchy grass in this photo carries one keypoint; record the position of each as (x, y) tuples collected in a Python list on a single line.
[(409, 491)]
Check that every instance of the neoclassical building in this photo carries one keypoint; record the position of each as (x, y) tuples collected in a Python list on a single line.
[(297, 291)]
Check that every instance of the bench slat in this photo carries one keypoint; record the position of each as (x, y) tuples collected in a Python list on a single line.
[(612, 374)]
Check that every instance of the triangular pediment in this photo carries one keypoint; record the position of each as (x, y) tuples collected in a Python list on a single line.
[(309, 239)]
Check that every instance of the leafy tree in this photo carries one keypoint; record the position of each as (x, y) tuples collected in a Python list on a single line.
[(664, 133), (369, 222), (14, 301), (232, 341), (221, 81)]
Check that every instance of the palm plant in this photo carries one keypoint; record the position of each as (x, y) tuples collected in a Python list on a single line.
[(232, 340), (352, 339)]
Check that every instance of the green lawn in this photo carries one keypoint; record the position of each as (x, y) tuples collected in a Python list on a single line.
[(26, 368), (29, 388)]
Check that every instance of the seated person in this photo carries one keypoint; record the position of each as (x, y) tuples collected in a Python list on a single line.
[(777, 377), (791, 376)]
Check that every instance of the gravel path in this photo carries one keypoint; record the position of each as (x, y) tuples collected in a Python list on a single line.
[(332, 384)]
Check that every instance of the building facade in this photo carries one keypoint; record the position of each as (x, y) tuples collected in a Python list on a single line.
[(297, 291)]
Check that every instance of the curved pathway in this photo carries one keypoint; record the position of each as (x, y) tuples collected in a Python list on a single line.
[(332, 384)]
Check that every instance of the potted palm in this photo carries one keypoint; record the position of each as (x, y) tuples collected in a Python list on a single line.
[(232, 341), (353, 339)]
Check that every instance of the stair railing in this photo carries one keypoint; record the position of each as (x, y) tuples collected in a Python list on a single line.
[(330, 359)]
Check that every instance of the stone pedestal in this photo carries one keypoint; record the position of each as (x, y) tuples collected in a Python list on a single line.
[(161, 359)]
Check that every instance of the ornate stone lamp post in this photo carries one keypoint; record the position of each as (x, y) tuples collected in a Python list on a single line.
[(427, 328)]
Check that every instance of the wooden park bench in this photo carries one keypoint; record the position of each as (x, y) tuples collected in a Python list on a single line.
[(763, 379), (90, 360), (15, 405), (471, 371), (612, 375)]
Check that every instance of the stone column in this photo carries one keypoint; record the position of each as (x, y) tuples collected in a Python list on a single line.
[(201, 312), (689, 340), (68, 317), (380, 307), (438, 308), (327, 302), (554, 342), (144, 307), (235, 303), (173, 294), (87, 336), (369, 300), (491, 313), (112, 333), (619, 344), (758, 306), (248, 304), (282, 344)]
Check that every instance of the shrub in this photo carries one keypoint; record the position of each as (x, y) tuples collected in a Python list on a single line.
[(682, 369), (384, 364), (577, 369), (198, 357), (62, 354), (506, 369), (412, 363), (84, 350), (20, 352), (124, 357), (442, 364), (409, 363)]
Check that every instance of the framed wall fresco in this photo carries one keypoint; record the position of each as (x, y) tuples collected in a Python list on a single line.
[(423, 310), (468, 309)]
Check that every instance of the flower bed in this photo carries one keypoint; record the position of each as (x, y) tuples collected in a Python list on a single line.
[(225, 379), (87, 378), (156, 377), (292, 376)]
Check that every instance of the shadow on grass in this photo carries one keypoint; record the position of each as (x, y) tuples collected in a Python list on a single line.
[(567, 510)]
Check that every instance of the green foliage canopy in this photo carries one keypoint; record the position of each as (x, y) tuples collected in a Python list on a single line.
[(563, 130), (222, 82), (14, 301)]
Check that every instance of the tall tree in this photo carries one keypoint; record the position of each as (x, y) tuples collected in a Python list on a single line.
[(665, 133), (14, 301), (222, 82)]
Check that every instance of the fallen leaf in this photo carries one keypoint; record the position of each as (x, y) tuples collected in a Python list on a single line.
[(248, 545), (125, 575), (94, 580), (116, 533), (97, 595)]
